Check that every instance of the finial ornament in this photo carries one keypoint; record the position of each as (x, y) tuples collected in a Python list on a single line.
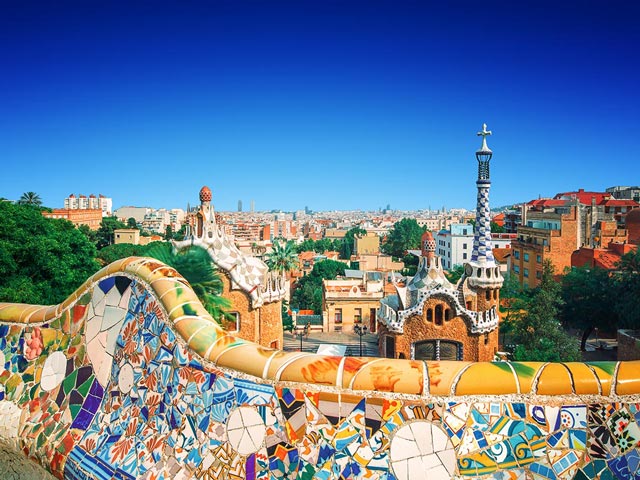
[(484, 133)]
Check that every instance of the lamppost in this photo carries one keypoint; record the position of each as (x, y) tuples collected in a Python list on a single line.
[(360, 330), (304, 332)]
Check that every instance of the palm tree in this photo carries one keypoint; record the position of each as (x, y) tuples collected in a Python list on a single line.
[(30, 198), (195, 266), (283, 258)]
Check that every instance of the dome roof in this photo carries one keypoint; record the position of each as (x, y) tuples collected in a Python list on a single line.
[(205, 194)]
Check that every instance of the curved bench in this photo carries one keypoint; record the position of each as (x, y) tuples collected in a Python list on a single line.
[(131, 378)]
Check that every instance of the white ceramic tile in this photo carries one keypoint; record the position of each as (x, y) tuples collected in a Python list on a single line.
[(93, 327), (113, 297), (448, 459), (113, 316), (125, 378), (422, 434), (124, 301), (401, 448), (439, 438), (53, 371)]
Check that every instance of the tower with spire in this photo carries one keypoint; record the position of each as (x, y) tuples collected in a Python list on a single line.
[(431, 319)]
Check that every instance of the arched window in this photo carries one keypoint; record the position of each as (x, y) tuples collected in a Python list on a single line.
[(488, 294), (447, 314), (390, 347), (438, 314), (429, 315)]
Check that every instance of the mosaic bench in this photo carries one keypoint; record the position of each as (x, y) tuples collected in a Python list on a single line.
[(131, 378)]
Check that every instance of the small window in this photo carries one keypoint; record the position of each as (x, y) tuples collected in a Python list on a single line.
[(539, 258), (526, 257), (438, 314), (516, 268), (488, 294), (516, 255), (447, 314), (464, 246), (464, 256), (526, 272), (429, 315), (338, 316), (357, 317), (538, 274)]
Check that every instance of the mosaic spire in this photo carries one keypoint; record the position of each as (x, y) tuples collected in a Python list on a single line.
[(482, 269)]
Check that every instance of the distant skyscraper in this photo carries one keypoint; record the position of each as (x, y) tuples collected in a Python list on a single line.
[(239, 205), (253, 206)]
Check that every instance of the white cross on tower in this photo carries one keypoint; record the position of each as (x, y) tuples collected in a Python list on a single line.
[(484, 133)]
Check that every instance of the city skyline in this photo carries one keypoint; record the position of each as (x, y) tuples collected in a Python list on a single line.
[(328, 105)]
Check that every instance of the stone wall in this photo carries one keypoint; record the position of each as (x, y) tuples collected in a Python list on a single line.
[(131, 378), (628, 344)]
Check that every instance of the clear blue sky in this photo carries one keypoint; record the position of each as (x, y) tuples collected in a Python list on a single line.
[(332, 105)]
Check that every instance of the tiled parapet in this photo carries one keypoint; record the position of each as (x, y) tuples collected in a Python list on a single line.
[(131, 378)]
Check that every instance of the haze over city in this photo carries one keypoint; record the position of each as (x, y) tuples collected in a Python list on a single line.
[(330, 105)]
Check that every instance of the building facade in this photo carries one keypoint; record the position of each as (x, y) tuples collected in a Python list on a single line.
[(431, 319), (82, 202), (454, 246), (348, 302), (90, 217), (255, 293)]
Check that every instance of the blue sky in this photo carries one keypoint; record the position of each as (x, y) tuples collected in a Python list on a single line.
[(326, 104)]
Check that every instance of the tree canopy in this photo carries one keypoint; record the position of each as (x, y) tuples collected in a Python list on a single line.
[(283, 257), (42, 260), (404, 235), (538, 334), (104, 235), (30, 198), (308, 292)]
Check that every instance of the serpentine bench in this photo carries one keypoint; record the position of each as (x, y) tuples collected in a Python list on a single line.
[(131, 378)]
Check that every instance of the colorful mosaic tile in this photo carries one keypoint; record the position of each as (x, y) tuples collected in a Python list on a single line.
[(110, 388)]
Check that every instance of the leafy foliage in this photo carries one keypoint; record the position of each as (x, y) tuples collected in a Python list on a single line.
[(405, 235), (282, 258), (626, 288), (455, 274), (308, 292), (589, 302), (30, 198), (195, 266), (539, 335), (42, 261), (104, 235)]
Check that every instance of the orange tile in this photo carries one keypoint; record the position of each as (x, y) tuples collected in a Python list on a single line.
[(604, 371), (442, 374), (487, 378), (526, 373), (584, 380), (316, 369), (628, 379), (248, 358), (390, 375), (554, 380)]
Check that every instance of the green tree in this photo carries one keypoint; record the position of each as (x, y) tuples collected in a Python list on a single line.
[(307, 245), (30, 198), (195, 266), (287, 319), (132, 223), (539, 335), (495, 228), (455, 273), (168, 233), (322, 245), (111, 253), (513, 304), (404, 235), (104, 234), (282, 258), (308, 291), (589, 301), (179, 235), (42, 261), (87, 232), (626, 287)]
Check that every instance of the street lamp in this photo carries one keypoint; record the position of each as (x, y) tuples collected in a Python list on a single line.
[(304, 332), (360, 330)]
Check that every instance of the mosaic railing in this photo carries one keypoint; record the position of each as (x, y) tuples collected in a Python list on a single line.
[(131, 378)]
